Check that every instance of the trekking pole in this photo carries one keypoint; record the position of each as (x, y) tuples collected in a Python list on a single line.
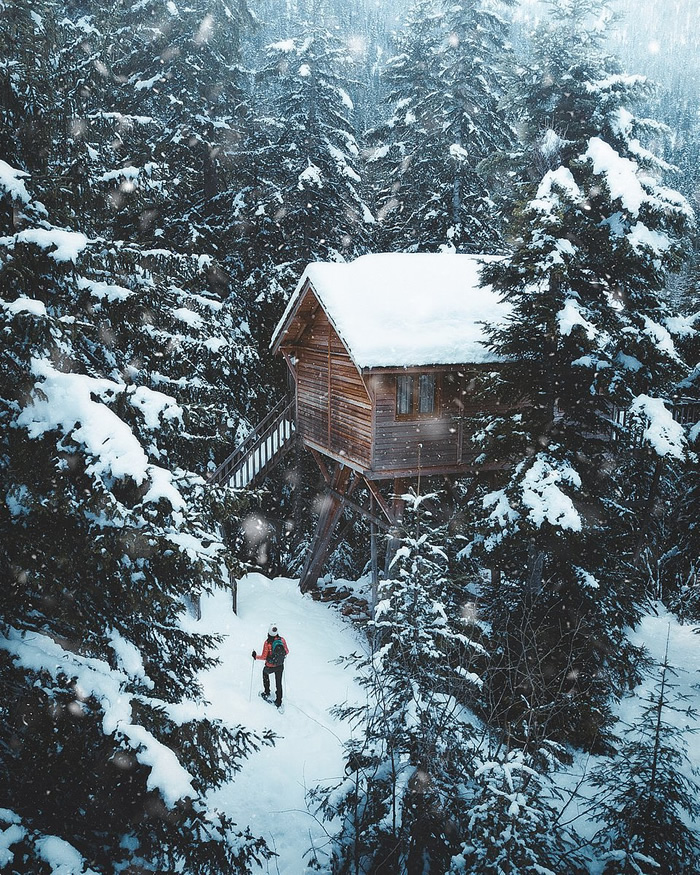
[(252, 669)]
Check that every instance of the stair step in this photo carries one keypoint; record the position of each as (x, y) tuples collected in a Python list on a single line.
[(260, 450)]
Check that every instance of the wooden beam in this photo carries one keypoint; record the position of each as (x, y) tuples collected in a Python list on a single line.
[(372, 517), (394, 541), (327, 521), (373, 558), (434, 471), (319, 461), (290, 365), (342, 458), (400, 487), (308, 325), (381, 501), (354, 483)]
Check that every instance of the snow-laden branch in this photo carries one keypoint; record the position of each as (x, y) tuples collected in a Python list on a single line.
[(94, 678)]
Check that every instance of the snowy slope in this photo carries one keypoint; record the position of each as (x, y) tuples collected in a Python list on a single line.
[(269, 794), (652, 633)]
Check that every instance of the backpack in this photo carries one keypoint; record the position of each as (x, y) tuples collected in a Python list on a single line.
[(277, 652)]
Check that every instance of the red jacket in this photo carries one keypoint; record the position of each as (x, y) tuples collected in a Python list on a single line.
[(267, 650)]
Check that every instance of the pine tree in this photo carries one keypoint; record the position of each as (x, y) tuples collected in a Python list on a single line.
[(108, 537), (398, 807), (513, 822), (679, 564), (297, 196), (680, 571), (647, 794), (109, 418), (585, 338), (446, 82), (312, 196), (176, 86)]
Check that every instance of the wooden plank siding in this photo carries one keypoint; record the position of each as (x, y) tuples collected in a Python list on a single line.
[(351, 407), (404, 444), (334, 411)]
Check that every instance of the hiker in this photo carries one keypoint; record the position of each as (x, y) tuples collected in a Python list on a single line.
[(274, 651)]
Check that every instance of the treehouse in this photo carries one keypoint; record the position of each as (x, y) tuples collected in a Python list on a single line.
[(384, 352)]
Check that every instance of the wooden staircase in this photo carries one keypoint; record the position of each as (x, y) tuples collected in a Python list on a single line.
[(260, 450)]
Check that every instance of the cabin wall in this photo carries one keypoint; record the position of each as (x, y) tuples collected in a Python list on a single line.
[(396, 441), (333, 408), (351, 409), (444, 444)]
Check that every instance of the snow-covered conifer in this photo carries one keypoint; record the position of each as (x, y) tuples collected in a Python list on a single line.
[(679, 568), (175, 83), (107, 421), (647, 793), (298, 194), (398, 807), (584, 346), (446, 82), (314, 179), (512, 823)]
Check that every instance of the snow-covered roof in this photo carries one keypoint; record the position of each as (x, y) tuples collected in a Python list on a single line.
[(398, 309)]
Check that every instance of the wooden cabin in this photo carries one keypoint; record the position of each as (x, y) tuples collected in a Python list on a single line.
[(383, 351)]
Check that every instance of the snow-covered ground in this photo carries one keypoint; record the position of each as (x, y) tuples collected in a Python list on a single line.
[(684, 657), (269, 794), (653, 632)]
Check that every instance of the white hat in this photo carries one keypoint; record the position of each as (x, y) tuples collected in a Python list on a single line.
[(272, 630)]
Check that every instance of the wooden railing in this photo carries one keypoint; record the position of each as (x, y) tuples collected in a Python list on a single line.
[(686, 411), (260, 450)]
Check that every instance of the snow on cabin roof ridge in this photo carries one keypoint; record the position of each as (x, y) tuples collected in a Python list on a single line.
[(398, 309)]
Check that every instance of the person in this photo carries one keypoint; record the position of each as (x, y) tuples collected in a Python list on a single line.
[(274, 652)]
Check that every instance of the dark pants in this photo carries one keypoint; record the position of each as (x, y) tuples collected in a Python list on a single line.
[(276, 670)]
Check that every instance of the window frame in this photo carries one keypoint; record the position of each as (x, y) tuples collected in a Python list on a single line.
[(415, 396)]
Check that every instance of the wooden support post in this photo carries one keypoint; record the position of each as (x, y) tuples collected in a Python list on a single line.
[(321, 465), (327, 521), (373, 556), (374, 492)]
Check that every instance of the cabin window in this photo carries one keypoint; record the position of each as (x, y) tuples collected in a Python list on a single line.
[(415, 395), (404, 395), (426, 393)]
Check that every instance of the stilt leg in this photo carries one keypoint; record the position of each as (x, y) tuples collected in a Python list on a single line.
[(327, 521)]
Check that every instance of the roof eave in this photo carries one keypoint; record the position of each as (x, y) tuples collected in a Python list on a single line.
[(289, 313), (303, 288)]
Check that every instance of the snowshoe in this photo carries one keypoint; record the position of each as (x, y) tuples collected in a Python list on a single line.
[(267, 698)]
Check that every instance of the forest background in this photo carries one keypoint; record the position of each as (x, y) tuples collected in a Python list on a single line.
[(166, 173)]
